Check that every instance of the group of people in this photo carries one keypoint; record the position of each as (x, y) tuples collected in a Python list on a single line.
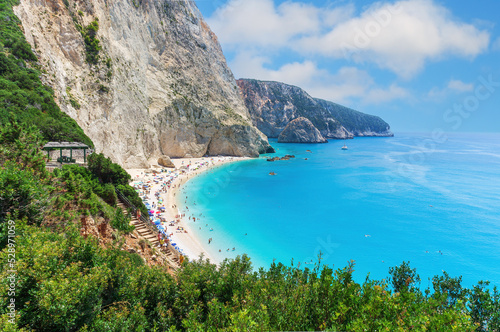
[(151, 186)]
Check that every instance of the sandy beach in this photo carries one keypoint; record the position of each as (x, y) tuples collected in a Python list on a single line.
[(170, 198)]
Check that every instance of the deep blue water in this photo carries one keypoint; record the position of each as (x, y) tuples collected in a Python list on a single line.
[(430, 201)]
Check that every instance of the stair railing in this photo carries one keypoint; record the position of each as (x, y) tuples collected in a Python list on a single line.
[(145, 219)]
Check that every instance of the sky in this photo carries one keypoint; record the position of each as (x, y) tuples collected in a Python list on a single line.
[(421, 65)]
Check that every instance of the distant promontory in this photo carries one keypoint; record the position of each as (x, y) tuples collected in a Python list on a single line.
[(273, 105)]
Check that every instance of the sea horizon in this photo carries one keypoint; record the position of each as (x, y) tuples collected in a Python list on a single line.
[(418, 197)]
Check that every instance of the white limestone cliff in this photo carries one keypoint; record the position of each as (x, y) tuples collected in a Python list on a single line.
[(161, 87)]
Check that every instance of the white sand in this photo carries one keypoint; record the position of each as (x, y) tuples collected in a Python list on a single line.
[(186, 241)]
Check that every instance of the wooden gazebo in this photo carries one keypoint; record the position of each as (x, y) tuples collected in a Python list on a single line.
[(50, 146)]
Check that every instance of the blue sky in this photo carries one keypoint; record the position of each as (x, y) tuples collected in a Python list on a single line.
[(421, 65)]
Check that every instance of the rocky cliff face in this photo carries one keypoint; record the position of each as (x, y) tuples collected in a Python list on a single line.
[(357, 123), (273, 105), (160, 84), (301, 130)]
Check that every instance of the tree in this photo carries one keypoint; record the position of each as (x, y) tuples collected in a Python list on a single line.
[(484, 307), (404, 278), (451, 287), (107, 171)]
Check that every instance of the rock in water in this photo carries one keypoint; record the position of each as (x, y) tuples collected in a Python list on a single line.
[(301, 130), (165, 162)]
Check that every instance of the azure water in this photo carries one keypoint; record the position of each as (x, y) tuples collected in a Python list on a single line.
[(432, 202)]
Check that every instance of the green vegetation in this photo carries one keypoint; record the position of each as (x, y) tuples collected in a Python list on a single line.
[(92, 44), (103, 88), (66, 280), (107, 172), (72, 99), (21, 91), (353, 120), (69, 282), (89, 34), (29, 192)]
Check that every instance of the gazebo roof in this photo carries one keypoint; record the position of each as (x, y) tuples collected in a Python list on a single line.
[(65, 145)]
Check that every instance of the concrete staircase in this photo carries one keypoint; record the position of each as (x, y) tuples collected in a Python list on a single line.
[(144, 232), (141, 229)]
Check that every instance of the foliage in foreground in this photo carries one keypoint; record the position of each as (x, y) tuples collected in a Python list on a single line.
[(68, 283)]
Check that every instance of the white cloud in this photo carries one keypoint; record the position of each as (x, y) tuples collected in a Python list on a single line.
[(261, 23), (400, 36), (347, 85), (460, 86), (453, 86), (378, 95)]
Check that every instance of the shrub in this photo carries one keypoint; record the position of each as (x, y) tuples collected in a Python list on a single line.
[(121, 222), (133, 197), (108, 194), (107, 171), (21, 196), (92, 44)]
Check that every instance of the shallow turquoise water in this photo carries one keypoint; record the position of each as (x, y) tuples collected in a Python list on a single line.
[(432, 202)]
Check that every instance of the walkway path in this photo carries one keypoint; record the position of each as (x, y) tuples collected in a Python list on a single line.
[(144, 232)]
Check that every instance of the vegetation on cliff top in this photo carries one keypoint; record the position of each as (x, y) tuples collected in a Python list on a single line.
[(319, 112), (21, 91), (354, 121)]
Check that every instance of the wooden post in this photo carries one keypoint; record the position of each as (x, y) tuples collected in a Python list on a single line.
[(84, 155)]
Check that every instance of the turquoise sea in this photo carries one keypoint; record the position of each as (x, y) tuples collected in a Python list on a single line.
[(433, 201)]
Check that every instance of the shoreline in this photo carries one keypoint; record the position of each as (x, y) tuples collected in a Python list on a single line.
[(185, 239)]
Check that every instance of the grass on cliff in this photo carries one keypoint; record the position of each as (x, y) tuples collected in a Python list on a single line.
[(21, 90)]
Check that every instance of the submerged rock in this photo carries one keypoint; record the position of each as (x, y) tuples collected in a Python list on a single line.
[(301, 130)]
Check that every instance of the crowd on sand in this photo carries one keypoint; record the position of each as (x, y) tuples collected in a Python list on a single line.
[(159, 189)]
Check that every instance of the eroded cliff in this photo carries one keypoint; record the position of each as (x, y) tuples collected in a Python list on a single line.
[(301, 130), (272, 105), (143, 78)]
